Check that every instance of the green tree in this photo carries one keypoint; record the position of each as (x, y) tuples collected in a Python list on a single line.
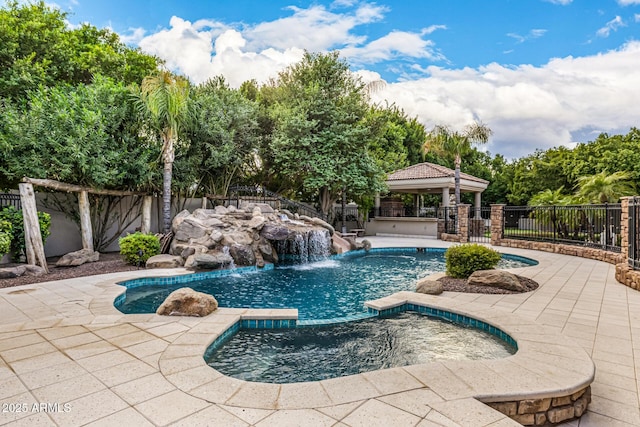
[(537, 172), (604, 187), (321, 136), (224, 138), (165, 98), (443, 140), (37, 48), (86, 135)]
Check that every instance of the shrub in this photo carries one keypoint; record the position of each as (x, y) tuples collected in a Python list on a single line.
[(14, 217), (137, 248), (463, 260), (5, 237)]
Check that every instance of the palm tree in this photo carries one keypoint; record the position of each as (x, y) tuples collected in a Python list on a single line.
[(165, 97), (444, 141), (604, 187)]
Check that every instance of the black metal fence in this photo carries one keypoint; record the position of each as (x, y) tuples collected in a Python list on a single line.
[(449, 216), (10, 200), (634, 233), (596, 226), (480, 224)]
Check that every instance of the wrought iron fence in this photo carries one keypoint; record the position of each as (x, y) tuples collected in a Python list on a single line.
[(480, 224), (10, 200), (449, 215), (634, 233), (596, 226)]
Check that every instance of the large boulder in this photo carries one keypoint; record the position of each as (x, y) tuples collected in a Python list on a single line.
[(11, 272), (165, 261), (275, 232), (267, 251), (190, 228), (80, 257), (427, 286), (208, 261), (497, 279), (187, 302), (242, 255)]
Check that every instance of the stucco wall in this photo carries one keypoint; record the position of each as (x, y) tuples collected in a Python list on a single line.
[(402, 225)]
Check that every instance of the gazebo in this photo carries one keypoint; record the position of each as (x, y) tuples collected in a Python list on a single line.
[(420, 179)]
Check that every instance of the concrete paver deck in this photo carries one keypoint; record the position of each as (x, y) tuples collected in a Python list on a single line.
[(68, 357)]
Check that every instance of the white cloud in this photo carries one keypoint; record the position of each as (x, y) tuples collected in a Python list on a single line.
[(533, 34), (612, 25), (637, 17), (529, 107), (207, 48), (133, 37), (564, 2), (628, 2)]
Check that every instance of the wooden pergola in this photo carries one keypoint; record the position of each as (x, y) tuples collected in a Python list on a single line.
[(33, 239)]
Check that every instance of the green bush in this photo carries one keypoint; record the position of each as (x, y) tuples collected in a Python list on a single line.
[(5, 237), (14, 217), (137, 248), (465, 259)]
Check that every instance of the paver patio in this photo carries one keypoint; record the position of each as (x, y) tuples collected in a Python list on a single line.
[(64, 345)]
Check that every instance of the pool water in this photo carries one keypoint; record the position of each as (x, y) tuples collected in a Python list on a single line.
[(318, 353), (332, 288)]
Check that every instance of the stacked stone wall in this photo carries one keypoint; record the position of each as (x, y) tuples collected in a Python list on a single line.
[(546, 411)]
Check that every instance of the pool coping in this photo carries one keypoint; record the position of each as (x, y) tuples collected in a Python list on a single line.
[(546, 365)]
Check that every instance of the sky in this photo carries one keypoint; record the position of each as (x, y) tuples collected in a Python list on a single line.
[(539, 73)]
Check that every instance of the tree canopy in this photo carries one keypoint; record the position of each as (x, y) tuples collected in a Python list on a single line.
[(320, 140), (37, 48)]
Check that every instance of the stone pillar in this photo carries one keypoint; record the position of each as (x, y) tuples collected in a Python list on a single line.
[(624, 227), (497, 221), (445, 197), (477, 204), (463, 223)]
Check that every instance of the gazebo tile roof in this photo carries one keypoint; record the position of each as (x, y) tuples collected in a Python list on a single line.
[(429, 170)]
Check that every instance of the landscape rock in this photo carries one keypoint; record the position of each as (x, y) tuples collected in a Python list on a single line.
[(80, 257), (430, 287), (187, 302), (497, 279), (165, 261), (34, 270), (177, 220), (208, 261), (11, 272), (366, 245), (275, 232), (190, 228), (242, 255)]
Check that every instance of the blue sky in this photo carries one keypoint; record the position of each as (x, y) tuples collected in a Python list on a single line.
[(540, 73)]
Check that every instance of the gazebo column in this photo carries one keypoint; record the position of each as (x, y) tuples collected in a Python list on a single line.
[(376, 205), (416, 205), (445, 197), (477, 203)]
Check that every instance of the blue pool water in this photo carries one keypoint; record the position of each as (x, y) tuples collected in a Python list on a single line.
[(317, 353), (332, 288)]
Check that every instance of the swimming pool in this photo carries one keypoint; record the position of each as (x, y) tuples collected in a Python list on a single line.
[(334, 288), (283, 356)]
